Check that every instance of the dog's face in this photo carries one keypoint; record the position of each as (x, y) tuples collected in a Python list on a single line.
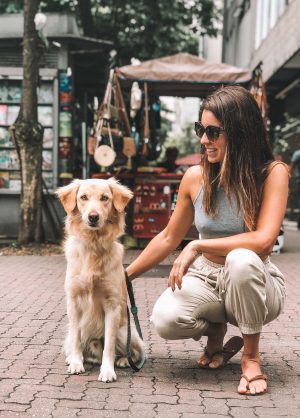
[(95, 200)]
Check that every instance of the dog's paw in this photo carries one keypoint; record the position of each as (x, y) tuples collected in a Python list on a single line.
[(122, 362), (68, 360), (107, 374), (76, 367)]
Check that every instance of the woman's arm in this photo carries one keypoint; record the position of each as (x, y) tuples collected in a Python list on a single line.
[(261, 241), (169, 239)]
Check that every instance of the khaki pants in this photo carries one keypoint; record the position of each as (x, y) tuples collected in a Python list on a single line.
[(246, 292)]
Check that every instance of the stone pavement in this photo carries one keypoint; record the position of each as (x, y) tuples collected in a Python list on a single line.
[(34, 381)]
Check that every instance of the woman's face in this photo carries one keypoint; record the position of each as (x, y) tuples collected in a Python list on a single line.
[(215, 149)]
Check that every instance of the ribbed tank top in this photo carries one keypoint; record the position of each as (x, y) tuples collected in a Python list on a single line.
[(228, 220)]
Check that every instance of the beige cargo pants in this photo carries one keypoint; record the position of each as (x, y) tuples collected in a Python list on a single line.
[(246, 292)]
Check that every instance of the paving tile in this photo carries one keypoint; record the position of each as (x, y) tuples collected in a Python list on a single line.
[(34, 379)]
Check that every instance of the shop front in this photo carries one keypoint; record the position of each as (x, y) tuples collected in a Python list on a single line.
[(71, 76), (125, 135)]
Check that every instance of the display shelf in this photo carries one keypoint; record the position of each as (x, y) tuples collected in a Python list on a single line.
[(3, 147), (17, 169), (2, 125), (17, 192), (19, 103), (10, 102), (9, 169), (9, 191)]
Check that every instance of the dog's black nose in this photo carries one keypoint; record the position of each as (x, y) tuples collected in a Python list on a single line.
[(93, 218)]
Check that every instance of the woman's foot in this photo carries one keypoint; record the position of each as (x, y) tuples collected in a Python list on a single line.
[(215, 333), (251, 370)]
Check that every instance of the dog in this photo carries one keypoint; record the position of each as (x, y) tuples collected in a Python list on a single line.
[(95, 286)]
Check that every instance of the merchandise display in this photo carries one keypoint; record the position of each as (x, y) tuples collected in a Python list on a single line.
[(45, 115), (10, 100), (154, 200), (66, 149)]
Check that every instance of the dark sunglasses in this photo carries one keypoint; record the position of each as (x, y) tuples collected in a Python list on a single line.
[(212, 132)]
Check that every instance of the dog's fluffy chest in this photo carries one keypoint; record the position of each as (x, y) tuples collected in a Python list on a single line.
[(97, 273), (94, 283)]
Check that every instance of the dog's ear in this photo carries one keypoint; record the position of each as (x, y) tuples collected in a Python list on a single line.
[(121, 194), (67, 195)]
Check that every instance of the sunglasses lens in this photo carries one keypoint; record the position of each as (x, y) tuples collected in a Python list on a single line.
[(199, 130), (212, 132)]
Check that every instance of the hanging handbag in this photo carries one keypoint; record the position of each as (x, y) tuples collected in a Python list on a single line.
[(104, 154), (129, 147)]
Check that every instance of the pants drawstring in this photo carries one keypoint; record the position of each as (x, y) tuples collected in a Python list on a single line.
[(220, 283)]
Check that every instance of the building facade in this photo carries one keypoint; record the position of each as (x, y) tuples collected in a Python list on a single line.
[(267, 32)]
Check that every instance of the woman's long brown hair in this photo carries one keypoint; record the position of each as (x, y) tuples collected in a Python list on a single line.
[(247, 157)]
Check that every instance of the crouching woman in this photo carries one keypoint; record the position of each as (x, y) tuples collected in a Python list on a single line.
[(237, 199)]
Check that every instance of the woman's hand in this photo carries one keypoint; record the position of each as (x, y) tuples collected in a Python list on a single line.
[(181, 265)]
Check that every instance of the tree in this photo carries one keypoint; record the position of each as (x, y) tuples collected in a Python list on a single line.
[(150, 29), (143, 29), (28, 133)]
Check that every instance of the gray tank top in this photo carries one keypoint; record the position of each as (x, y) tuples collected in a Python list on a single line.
[(228, 220)]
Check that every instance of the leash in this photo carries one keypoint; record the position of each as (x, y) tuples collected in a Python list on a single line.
[(134, 310)]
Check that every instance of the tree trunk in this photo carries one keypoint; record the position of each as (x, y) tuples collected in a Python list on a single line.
[(28, 133)]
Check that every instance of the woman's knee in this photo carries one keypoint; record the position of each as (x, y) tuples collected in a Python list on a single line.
[(171, 325), (164, 323)]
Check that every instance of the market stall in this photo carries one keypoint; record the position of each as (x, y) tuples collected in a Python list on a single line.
[(129, 118)]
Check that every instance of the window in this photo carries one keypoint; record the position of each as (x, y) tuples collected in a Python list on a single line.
[(267, 14)]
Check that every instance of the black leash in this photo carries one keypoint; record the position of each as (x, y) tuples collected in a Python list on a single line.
[(134, 310)]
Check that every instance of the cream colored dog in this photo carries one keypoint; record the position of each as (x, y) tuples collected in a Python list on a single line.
[(94, 285)]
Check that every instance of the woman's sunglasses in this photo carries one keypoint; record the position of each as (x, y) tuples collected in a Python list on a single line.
[(212, 132)]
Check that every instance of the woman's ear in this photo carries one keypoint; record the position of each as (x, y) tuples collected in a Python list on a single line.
[(121, 194), (68, 195)]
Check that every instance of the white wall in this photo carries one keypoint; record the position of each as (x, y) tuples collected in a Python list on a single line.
[(265, 34)]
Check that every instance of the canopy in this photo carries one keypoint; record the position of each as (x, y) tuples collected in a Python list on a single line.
[(191, 159), (182, 75)]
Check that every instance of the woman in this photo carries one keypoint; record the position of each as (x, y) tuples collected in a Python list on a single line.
[(237, 199)]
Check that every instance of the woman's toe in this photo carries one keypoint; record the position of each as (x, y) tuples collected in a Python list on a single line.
[(242, 388), (255, 388), (261, 386)]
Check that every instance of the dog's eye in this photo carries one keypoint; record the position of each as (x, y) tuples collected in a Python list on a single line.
[(104, 198), (84, 197)]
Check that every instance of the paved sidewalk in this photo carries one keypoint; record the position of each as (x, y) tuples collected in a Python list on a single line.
[(34, 381)]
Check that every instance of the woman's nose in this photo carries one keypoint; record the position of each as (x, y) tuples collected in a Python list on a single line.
[(204, 139)]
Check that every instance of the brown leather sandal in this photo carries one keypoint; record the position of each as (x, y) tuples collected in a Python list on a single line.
[(257, 377), (232, 347)]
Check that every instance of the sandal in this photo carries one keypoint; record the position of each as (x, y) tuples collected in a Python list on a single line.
[(257, 377), (232, 347)]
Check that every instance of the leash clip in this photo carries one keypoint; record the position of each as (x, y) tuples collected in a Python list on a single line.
[(134, 310)]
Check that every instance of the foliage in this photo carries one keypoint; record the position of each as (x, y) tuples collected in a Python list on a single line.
[(286, 136), (142, 29), (149, 29), (186, 143), (11, 6)]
